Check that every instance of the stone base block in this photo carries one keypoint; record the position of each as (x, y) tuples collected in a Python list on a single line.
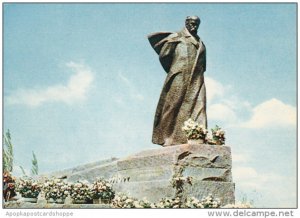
[(149, 173)]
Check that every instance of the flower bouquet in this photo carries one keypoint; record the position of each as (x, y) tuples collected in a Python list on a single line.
[(121, 200), (178, 181), (56, 190), (144, 203), (194, 132), (192, 202), (218, 136), (206, 202), (29, 189), (80, 192), (210, 202), (9, 189), (102, 191), (169, 203)]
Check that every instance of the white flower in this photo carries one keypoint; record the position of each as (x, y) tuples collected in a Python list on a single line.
[(152, 205), (85, 182), (199, 205), (128, 201), (78, 185), (176, 201), (136, 204)]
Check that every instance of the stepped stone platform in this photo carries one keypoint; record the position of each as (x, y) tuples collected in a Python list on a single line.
[(149, 173)]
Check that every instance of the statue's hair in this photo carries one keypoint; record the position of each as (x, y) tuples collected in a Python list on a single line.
[(188, 18)]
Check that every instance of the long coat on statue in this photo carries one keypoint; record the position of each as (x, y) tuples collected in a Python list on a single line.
[(183, 96)]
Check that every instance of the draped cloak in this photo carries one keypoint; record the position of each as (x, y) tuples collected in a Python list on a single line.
[(183, 96)]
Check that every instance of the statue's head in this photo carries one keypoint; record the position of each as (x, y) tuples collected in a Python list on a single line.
[(192, 24)]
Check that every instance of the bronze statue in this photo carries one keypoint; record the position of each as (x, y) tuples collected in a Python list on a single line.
[(183, 57)]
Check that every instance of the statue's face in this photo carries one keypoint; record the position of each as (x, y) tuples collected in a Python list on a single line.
[(192, 26)]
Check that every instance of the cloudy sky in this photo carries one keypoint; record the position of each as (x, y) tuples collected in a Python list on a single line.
[(81, 84)]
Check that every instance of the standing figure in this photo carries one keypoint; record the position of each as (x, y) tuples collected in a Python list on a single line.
[(183, 57)]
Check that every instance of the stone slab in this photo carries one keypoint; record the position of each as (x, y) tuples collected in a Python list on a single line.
[(194, 155), (167, 172)]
